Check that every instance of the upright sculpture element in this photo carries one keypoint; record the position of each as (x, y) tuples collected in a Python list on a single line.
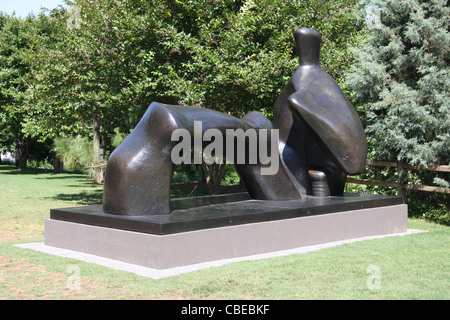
[(321, 139), (319, 128)]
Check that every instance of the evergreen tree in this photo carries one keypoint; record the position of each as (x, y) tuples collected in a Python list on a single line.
[(401, 73), (402, 78)]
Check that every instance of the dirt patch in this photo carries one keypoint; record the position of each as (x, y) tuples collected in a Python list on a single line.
[(13, 231), (20, 280)]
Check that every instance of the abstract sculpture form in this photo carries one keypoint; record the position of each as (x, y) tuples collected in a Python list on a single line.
[(320, 140)]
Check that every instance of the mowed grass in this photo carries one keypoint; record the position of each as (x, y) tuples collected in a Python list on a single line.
[(406, 267)]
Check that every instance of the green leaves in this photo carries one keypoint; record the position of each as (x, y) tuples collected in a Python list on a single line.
[(401, 74), (15, 66), (113, 58)]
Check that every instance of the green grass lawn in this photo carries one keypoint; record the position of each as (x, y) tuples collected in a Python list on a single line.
[(408, 267)]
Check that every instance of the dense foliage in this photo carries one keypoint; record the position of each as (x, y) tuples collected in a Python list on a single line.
[(401, 75), (97, 65), (15, 77)]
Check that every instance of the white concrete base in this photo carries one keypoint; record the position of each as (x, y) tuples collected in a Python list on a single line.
[(159, 274), (188, 248)]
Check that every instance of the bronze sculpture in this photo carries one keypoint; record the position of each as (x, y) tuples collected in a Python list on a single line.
[(321, 140)]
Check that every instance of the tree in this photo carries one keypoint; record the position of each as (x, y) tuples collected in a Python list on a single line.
[(236, 56), (98, 65), (87, 61), (401, 76), (15, 66), (232, 56)]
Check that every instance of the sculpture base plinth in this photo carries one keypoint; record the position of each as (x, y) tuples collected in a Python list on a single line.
[(220, 227)]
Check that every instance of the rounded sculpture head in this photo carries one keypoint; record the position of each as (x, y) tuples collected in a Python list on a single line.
[(308, 45)]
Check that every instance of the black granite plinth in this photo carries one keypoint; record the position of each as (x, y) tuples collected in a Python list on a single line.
[(190, 214)]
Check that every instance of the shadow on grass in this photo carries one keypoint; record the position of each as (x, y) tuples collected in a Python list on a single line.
[(13, 170), (81, 198), (65, 176), (9, 169)]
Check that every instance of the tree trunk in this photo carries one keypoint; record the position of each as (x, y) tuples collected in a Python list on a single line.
[(22, 152), (207, 169), (96, 141), (58, 164), (401, 180), (98, 174), (213, 176), (220, 170)]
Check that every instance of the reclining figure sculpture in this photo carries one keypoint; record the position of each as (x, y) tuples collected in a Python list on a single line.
[(320, 142)]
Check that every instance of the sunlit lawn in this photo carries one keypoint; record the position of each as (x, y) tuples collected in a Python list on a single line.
[(408, 267)]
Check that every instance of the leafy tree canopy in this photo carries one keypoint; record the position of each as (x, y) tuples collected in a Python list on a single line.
[(95, 66), (113, 58)]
